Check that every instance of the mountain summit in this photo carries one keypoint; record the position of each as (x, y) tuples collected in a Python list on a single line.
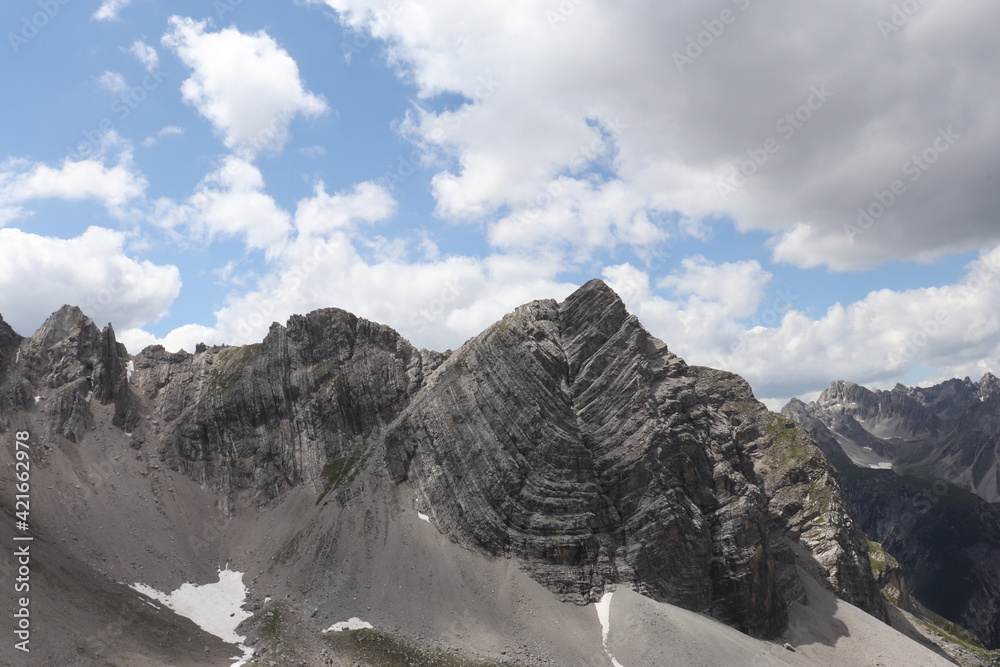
[(562, 456)]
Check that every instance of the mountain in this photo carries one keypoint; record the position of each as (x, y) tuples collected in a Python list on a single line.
[(562, 489), (950, 430), (912, 461)]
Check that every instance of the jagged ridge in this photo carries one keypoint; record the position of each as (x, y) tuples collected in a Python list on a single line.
[(564, 436)]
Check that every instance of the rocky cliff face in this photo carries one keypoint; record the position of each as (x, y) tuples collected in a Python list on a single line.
[(568, 437), (253, 421), (564, 436), (811, 515)]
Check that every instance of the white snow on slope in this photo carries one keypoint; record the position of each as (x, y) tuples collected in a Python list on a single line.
[(604, 617), (216, 608), (424, 517), (884, 465), (353, 623), (129, 369)]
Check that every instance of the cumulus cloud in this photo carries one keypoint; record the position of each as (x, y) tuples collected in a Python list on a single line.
[(229, 202), (737, 287), (113, 82), (166, 131), (109, 10), (323, 213), (145, 54), (325, 254), (246, 85), (36, 279), (840, 129), (954, 328), (115, 185)]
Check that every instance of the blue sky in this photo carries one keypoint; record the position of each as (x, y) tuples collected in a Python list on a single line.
[(795, 193)]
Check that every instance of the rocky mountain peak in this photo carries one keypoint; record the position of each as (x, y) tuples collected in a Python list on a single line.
[(595, 297), (67, 322), (568, 437), (564, 437), (989, 386), (68, 361)]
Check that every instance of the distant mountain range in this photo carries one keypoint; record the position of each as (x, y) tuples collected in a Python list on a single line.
[(920, 467)]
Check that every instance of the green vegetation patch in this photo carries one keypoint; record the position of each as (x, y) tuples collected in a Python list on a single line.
[(230, 364), (375, 648), (272, 623), (788, 448), (334, 473)]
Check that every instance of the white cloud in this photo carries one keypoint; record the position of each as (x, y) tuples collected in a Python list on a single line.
[(109, 10), (39, 274), (247, 86), (954, 328), (323, 213), (324, 255), (846, 107), (167, 131), (737, 287), (229, 202), (184, 337), (145, 54), (23, 181), (113, 82)]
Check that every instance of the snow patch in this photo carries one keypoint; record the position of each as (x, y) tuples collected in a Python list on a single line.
[(37, 399), (216, 608), (353, 623), (882, 465), (129, 369), (604, 617), (424, 517)]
